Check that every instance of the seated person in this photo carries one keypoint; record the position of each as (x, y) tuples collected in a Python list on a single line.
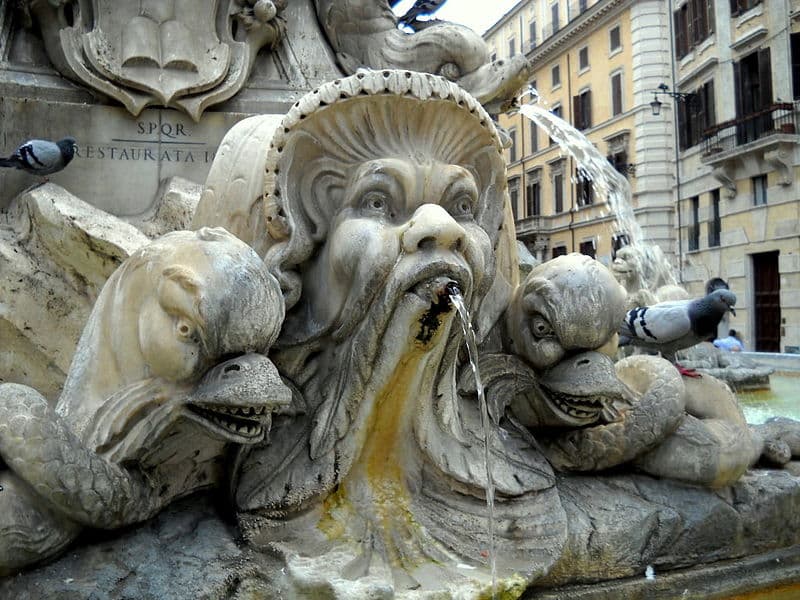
[(731, 342)]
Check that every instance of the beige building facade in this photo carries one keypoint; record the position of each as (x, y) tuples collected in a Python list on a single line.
[(726, 143)]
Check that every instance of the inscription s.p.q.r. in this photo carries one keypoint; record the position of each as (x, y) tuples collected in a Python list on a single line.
[(170, 130)]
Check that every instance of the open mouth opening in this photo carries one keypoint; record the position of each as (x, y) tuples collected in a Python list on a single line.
[(436, 292), (585, 411), (240, 421)]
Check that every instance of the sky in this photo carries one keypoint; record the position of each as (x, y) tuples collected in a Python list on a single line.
[(478, 15)]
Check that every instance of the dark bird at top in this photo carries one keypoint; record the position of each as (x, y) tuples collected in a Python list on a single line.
[(42, 157), (668, 327), (419, 9)]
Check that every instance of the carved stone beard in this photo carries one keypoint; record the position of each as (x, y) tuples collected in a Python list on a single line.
[(365, 396), (411, 314), (340, 377)]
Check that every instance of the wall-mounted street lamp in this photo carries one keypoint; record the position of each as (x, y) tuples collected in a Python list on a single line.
[(688, 98)]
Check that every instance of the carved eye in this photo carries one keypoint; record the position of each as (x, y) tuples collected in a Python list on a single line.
[(462, 206), (540, 327), (185, 330), (375, 202)]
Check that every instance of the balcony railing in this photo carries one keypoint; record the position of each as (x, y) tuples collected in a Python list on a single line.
[(528, 225), (778, 118)]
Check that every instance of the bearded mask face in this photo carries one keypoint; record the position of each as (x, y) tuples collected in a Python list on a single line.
[(381, 191)]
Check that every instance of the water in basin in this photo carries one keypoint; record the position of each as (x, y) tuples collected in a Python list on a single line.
[(781, 400)]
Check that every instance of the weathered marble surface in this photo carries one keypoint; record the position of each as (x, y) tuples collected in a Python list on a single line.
[(189, 551), (169, 374), (646, 275), (371, 200), (121, 161), (59, 248), (675, 525)]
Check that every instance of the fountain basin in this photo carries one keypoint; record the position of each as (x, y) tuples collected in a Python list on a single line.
[(781, 399)]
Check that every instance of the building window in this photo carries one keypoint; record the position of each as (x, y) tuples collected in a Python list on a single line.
[(616, 94), (694, 225), (583, 58), (584, 190), (740, 6), (693, 23), (588, 248), (512, 149), (759, 190), (614, 39), (532, 34), (696, 116), (617, 153), (618, 240), (714, 225), (559, 251), (582, 5), (513, 196), (512, 47), (619, 160), (752, 87), (558, 191), (555, 74), (556, 110), (534, 138), (582, 109), (554, 16), (533, 195)]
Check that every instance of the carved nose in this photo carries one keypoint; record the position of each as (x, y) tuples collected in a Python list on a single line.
[(433, 228)]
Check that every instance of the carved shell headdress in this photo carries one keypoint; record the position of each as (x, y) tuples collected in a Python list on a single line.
[(372, 114)]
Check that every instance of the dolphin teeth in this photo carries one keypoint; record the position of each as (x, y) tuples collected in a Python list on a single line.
[(238, 420)]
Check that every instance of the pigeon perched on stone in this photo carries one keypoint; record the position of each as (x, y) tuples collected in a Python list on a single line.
[(667, 327), (420, 8), (42, 157)]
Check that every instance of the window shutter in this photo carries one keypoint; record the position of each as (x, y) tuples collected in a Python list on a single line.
[(737, 89), (616, 94), (683, 125), (576, 112), (711, 110), (697, 116), (696, 19), (710, 25), (587, 109), (680, 35), (765, 78)]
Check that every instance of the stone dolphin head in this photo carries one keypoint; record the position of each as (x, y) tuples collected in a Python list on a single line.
[(170, 312), (565, 305)]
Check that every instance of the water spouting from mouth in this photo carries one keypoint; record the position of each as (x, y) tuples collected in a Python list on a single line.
[(472, 351), (607, 182)]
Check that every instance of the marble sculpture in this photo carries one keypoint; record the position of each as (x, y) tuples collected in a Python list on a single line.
[(300, 348)]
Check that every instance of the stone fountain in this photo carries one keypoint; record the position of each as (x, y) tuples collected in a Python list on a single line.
[(278, 402)]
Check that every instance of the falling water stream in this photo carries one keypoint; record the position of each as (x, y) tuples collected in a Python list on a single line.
[(593, 166), (607, 182), (472, 351)]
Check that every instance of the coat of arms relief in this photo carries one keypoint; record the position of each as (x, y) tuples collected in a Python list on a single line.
[(183, 54)]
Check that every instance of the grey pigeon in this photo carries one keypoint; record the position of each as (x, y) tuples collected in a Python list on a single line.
[(420, 8), (42, 157), (667, 327)]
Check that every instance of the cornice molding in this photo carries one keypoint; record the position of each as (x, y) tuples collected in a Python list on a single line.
[(586, 21)]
